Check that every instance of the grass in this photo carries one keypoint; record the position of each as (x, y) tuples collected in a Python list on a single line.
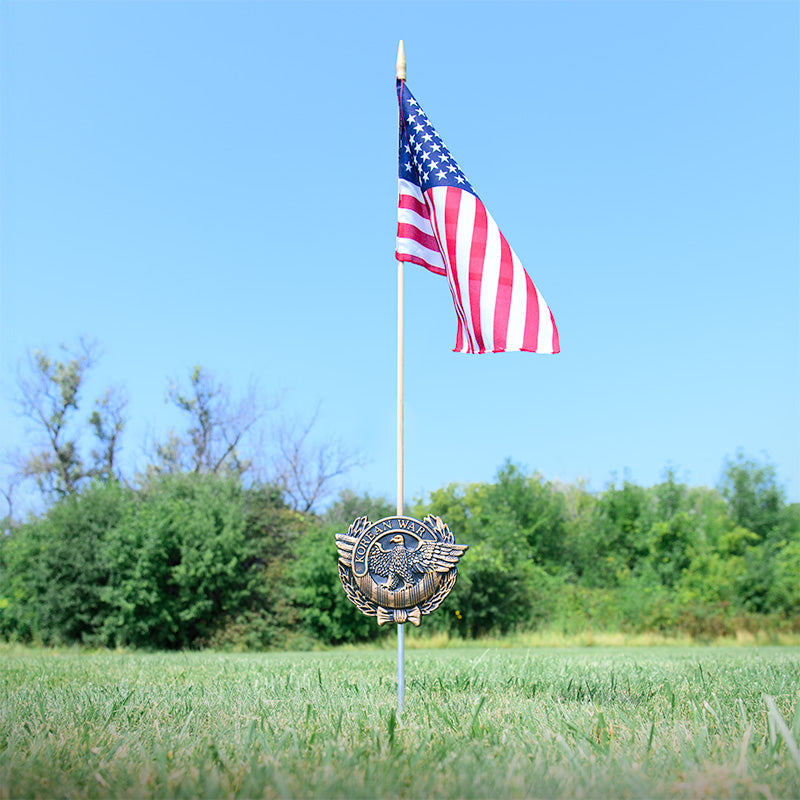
[(479, 722)]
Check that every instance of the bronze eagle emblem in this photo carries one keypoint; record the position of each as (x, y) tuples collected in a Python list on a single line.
[(399, 564), (398, 568)]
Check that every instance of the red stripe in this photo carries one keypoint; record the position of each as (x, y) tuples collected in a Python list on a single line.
[(450, 271), (502, 303), (420, 261), (477, 257), (407, 231), (410, 202), (451, 209), (459, 337), (556, 343), (530, 336)]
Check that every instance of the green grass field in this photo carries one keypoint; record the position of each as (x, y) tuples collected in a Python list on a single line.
[(499, 723)]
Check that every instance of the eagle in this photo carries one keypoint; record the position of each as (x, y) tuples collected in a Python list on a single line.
[(401, 566)]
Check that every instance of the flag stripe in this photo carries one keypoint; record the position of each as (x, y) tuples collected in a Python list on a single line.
[(555, 345), (415, 234), (504, 295), (531, 330), (450, 207), (477, 260), (519, 304), (491, 275), (462, 234), (413, 204), (409, 217), (423, 258)]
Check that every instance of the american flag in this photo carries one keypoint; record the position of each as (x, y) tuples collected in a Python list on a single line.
[(443, 226)]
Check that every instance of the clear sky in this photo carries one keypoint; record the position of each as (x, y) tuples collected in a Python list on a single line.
[(215, 183)]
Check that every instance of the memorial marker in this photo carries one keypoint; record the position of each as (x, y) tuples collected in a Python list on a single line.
[(400, 569)]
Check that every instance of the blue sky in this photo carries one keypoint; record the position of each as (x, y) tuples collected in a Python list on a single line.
[(215, 183)]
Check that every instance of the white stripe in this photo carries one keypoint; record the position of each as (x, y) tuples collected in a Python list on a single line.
[(491, 276), (406, 187), (544, 343), (437, 198), (466, 224), (406, 215), (519, 302), (408, 246), (413, 248)]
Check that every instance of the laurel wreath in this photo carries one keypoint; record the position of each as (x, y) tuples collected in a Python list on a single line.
[(356, 597), (436, 599)]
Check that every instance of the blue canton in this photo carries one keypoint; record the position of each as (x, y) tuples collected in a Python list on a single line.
[(424, 159)]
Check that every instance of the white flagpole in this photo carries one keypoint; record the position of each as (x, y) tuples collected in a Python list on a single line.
[(401, 667)]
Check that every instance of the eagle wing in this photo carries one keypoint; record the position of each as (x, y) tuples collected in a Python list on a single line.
[(345, 545), (435, 556), (379, 561)]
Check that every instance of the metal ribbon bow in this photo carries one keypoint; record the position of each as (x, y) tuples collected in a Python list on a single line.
[(400, 615)]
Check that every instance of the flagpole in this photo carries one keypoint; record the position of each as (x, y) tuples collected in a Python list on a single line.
[(401, 75)]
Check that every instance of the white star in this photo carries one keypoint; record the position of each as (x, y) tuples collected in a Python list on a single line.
[(436, 147), (412, 101), (427, 137), (452, 168), (419, 127), (433, 164), (441, 174), (460, 178)]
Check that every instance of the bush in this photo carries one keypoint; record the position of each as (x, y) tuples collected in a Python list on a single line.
[(178, 563), (55, 570)]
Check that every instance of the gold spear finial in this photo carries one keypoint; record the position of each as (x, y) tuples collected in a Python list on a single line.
[(401, 62)]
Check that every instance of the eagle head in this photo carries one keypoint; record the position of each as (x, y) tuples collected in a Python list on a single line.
[(398, 539)]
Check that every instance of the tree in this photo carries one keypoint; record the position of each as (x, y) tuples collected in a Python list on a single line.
[(225, 436), (534, 509), (350, 505), (306, 471), (217, 428), (617, 537), (50, 398), (755, 500)]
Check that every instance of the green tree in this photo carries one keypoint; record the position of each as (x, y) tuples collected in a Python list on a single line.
[(617, 538), (349, 506), (528, 505), (671, 543), (755, 499)]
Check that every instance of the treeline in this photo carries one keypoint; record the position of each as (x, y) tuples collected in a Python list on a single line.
[(198, 559), (219, 541)]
